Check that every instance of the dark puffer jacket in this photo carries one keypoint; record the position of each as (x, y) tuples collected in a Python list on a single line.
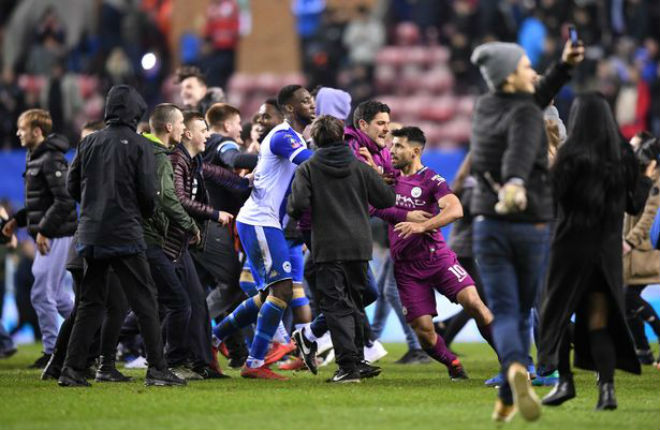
[(190, 173), (49, 209), (112, 176)]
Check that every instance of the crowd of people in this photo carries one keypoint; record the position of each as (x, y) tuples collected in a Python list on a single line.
[(188, 234)]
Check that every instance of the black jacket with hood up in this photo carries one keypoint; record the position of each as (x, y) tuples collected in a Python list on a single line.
[(112, 176), (338, 188)]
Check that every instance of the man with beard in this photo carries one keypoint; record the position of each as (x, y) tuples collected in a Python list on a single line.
[(259, 225), (423, 263)]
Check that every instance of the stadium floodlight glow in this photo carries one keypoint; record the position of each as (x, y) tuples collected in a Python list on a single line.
[(149, 61)]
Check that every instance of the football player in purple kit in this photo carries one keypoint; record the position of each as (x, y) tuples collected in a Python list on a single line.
[(422, 260)]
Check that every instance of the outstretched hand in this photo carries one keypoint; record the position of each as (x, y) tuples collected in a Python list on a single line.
[(573, 54)]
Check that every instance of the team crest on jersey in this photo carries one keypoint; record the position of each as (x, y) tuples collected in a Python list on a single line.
[(287, 267), (294, 143), (439, 179), (416, 192)]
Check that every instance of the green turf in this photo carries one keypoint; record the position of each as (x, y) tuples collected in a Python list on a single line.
[(403, 397)]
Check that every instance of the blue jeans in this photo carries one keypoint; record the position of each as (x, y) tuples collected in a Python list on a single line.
[(388, 299), (510, 257)]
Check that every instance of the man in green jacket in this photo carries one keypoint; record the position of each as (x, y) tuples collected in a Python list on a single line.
[(166, 123)]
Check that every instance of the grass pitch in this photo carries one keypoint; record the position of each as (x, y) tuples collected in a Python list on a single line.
[(403, 397)]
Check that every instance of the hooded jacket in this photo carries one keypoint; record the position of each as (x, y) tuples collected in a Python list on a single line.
[(357, 139), (112, 176), (49, 209), (338, 189)]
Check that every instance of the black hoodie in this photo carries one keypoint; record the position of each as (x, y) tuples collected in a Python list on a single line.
[(49, 209), (113, 178), (338, 189)]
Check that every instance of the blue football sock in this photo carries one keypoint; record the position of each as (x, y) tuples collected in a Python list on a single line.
[(270, 316), (246, 313)]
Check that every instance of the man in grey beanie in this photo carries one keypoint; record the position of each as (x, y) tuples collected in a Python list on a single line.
[(512, 203)]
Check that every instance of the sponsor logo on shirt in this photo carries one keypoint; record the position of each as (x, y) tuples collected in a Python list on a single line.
[(408, 202)]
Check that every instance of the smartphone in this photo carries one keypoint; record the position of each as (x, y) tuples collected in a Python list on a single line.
[(572, 35)]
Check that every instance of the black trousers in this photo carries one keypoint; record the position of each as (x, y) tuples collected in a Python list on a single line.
[(138, 286), (340, 287), (105, 340), (174, 306), (199, 327)]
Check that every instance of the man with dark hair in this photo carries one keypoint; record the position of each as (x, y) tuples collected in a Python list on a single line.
[(269, 116), (366, 137), (166, 123), (50, 217), (338, 189), (112, 177), (422, 261), (193, 86), (260, 227)]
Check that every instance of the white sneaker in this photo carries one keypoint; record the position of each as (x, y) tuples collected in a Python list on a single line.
[(323, 343), (374, 352), (138, 363)]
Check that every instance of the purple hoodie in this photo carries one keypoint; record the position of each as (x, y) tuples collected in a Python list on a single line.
[(357, 139)]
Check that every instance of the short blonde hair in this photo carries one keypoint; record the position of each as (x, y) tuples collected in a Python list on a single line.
[(38, 118)]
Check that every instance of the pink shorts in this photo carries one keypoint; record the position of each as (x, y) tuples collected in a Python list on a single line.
[(417, 282)]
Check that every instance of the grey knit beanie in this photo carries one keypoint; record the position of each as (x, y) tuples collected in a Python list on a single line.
[(496, 61)]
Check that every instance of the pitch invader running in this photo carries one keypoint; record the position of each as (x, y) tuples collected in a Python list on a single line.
[(422, 260), (259, 225)]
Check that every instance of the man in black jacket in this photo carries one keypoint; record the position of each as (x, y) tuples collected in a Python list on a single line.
[(218, 263), (50, 217), (512, 203), (112, 176), (338, 189)]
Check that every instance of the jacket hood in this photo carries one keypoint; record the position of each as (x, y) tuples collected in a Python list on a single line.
[(124, 106), (53, 142), (156, 142), (362, 139), (334, 160), (333, 102)]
